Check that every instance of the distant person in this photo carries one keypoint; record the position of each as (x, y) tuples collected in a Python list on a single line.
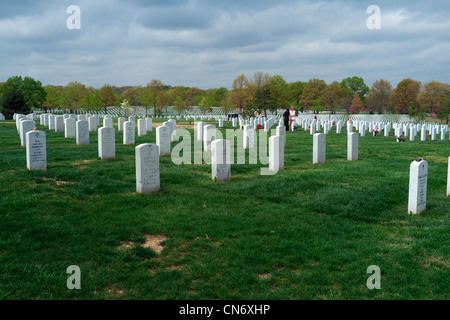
[(286, 119), (291, 117)]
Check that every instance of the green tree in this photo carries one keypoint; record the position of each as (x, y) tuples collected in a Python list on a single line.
[(19, 95), (444, 111), (278, 93), (179, 105), (159, 98), (72, 95), (221, 99), (312, 91), (33, 92), (295, 90), (107, 97), (53, 98), (355, 85), (12, 99), (91, 101)]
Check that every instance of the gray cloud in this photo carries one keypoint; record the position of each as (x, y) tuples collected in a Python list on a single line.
[(208, 43)]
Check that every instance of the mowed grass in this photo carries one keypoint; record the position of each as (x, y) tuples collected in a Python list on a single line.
[(308, 232)]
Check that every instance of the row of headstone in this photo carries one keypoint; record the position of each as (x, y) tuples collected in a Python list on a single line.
[(319, 147)]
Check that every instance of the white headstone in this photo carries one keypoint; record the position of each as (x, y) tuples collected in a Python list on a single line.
[(121, 121), (51, 122), (69, 128), (248, 137), (163, 140), (108, 122), (142, 127), (36, 150), (209, 135), (448, 178), (46, 119), (352, 146), (319, 148), (82, 133), (147, 168), (106, 143), (200, 127), (281, 131), (59, 124), (92, 124), (149, 124), (129, 132), (220, 160), (25, 127), (417, 198), (276, 153)]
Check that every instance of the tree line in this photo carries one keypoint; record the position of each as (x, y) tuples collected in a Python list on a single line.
[(261, 94)]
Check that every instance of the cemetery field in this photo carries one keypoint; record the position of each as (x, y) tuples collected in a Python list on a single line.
[(308, 232)]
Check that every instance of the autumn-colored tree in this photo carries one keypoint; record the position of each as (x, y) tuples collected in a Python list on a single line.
[(311, 92), (132, 96), (403, 98), (332, 95), (432, 95), (378, 98), (240, 93), (193, 96), (72, 95), (357, 105), (345, 104), (107, 97)]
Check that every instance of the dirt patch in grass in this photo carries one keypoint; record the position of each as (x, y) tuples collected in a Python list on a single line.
[(125, 245), (154, 242), (172, 268), (59, 183), (264, 276), (151, 241)]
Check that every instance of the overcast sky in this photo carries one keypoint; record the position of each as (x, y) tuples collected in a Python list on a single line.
[(207, 44)]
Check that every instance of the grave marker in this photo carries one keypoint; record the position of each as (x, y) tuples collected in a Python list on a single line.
[(163, 140), (147, 168), (36, 150), (220, 160), (106, 143), (319, 148), (417, 198), (82, 134)]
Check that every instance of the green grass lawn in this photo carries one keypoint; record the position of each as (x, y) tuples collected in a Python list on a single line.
[(309, 232)]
